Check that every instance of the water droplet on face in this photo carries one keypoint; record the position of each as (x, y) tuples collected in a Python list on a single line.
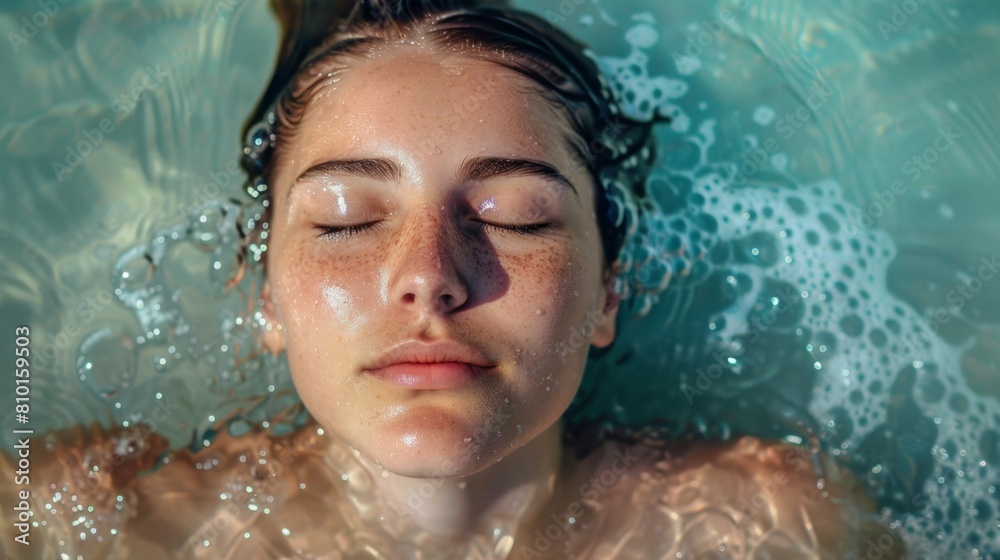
[(453, 68)]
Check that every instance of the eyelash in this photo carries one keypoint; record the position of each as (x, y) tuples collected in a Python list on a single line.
[(344, 231), (526, 229), (348, 231)]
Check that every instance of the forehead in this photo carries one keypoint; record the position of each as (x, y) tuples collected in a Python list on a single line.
[(421, 105)]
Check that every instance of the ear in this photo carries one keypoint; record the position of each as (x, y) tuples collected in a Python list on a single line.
[(605, 315), (273, 337)]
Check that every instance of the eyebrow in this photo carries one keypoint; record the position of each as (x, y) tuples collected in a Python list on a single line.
[(482, 168), (472, 169), (378, 169)]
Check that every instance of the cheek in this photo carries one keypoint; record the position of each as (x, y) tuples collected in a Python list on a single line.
[(321, 296), (546, 308)]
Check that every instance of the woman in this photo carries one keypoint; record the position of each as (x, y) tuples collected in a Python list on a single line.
[(443, 199)]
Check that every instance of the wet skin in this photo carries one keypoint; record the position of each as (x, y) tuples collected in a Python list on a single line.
[(260, 496), (435, 262), (436, 135)]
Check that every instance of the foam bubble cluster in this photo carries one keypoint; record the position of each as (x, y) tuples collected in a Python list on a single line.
[(887, 393), (212, 366), (806, 303)]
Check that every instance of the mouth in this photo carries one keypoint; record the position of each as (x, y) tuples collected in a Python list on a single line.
[(439, 375), (444, 364)]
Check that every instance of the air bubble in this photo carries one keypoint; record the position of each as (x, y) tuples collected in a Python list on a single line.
[(134, 270), (106, 362)]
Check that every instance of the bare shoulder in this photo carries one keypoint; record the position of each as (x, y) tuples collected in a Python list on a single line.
[(238, 495), (118, 493), (75, 486), (743, 496)]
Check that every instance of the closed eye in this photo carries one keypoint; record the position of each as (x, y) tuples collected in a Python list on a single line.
[(525, 229), (344, 231), (340, 232)]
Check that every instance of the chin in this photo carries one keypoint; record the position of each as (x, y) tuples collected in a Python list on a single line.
[(421, 452), (437, 468), (429, 460)]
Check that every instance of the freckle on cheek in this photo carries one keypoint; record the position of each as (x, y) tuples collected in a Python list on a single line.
[(549, 279)]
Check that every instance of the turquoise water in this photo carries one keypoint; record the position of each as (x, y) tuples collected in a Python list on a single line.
[(831, 168)]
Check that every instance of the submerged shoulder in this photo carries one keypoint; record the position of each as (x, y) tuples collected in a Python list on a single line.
[(740, 496), (234, 494), (77, 487), (118, 493)]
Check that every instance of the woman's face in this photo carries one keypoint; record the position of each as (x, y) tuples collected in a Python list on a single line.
[(436, 152)]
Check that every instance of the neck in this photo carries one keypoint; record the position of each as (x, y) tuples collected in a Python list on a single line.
[(516, 488)]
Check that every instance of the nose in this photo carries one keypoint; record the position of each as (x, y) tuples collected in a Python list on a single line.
[(426, 274)]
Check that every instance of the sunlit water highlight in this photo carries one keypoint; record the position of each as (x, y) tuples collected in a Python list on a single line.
[(828, 167)]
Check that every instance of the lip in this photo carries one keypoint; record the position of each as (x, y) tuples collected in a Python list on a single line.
[(443, 364), (443, 375)]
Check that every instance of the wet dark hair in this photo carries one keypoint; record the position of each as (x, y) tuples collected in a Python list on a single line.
[(613, 148)]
